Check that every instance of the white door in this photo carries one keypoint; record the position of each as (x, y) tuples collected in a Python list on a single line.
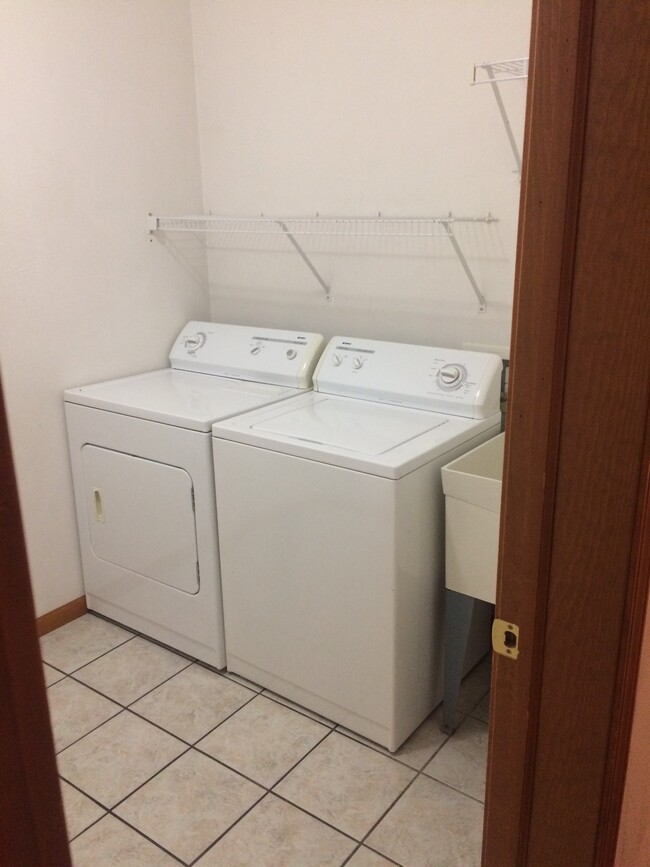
[(141, 516)]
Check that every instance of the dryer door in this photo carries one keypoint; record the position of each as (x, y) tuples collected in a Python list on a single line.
[(141, 516)]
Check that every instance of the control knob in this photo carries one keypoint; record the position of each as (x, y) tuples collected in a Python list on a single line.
[(256, 349), (195, 342), (357, 363), (337, 360), (451, 376)]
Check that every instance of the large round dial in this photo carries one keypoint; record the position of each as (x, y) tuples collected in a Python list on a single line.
[(451, 376), (195, 342)]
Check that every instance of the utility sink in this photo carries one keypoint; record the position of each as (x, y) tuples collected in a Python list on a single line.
[(472, 487)]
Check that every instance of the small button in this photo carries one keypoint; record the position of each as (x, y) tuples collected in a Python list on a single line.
[(291, 353)]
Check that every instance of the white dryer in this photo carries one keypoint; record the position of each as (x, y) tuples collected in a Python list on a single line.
[(332, 554), (141, 456)]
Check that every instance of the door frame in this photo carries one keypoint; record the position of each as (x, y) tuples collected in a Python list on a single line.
[(575, 493)]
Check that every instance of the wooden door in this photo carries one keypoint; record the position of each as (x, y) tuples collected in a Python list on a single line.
[(32, 828), (576, 444)]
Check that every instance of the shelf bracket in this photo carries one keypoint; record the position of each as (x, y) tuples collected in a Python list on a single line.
[(305, 258), (504, 117), (463, 261)]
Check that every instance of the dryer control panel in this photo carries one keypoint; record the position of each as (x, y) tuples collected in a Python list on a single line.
[(452, 381), (266, 355)]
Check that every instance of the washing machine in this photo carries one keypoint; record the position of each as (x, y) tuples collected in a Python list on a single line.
[(332, 553), (141, 457)]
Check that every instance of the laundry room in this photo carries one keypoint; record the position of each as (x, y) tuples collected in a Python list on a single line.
[(322, 167)]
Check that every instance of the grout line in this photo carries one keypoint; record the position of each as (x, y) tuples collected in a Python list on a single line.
[(374, 851), (146, 837), (295, 765), (314, 816), (89, 661), (90, 731), (222, 721), (303, 711), (381, 750), (149, 779), (230, 827)]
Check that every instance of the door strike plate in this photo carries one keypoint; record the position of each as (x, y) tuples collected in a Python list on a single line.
[(505, 638)]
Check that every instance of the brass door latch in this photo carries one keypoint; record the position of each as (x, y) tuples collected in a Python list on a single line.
[(505, 638)]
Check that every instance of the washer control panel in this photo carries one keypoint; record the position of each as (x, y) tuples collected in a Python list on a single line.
[(239, 352), (451, 381)]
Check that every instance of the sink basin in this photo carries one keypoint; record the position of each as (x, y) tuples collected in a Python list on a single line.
[(472, 487)]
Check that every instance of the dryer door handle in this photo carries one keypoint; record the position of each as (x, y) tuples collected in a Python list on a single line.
[(99, 506)]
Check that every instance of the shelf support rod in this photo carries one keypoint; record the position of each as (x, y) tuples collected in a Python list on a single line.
[(504, 116), (305, 259), (463, 261)]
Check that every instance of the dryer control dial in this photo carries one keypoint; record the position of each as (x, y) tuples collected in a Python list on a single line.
[(357, 362), (451, 376), (195, 341), (337, 360)]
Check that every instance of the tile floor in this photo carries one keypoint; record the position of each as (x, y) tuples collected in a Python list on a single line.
[(164, 762)]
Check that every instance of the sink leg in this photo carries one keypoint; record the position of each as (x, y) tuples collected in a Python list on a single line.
[(458, 619)]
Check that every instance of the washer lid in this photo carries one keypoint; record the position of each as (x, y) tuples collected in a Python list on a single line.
[(379, 439), (365, 428), (176, 397)]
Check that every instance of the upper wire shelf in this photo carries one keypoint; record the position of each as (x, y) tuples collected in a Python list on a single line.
[(496, 72), (290, 227), (501, 70)]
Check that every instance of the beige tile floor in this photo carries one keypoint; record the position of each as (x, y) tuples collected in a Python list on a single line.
[(164, 761)]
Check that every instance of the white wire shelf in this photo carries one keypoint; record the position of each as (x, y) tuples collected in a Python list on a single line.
[(500, 70), (494, 73), (373, 227), (317, 226)]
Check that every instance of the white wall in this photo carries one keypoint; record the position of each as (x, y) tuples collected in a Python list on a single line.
[(98, 128), (351, 107), (338, 106)]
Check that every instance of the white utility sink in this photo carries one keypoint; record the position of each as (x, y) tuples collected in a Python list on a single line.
[(472, 486)]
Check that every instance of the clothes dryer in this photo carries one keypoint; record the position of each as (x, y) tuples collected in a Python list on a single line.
[(141, 456), (332, 554)]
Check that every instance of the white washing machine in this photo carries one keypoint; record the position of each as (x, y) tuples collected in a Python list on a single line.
[(332, 554), (141, 457)]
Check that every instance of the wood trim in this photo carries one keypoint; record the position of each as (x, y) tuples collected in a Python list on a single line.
[(634, 627), (541, 312), (574, 444), (60, 616), (32, 827)]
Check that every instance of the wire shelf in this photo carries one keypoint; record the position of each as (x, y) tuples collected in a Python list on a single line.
[(293, 227), (500, 70), (496, 72), (371, 227)]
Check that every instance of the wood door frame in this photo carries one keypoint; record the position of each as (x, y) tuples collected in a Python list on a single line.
[(576, 462)]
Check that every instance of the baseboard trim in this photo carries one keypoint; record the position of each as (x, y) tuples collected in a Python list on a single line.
[(60, 616)]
